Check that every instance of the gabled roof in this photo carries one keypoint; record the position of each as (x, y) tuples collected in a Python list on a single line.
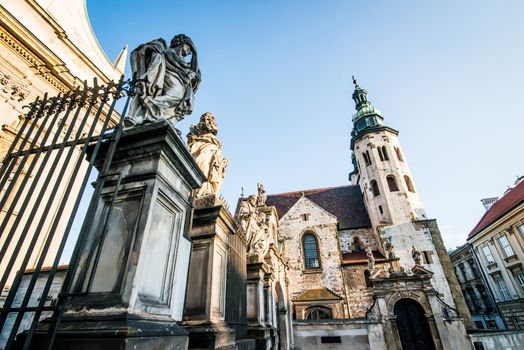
[(361, 257), (317, 294), (344, 202), (510, 200)]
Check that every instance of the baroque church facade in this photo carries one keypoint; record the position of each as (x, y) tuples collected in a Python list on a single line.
[(365, 267)]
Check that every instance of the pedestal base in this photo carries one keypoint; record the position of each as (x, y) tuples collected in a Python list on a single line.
[(262, 337), (211, 336), (120, 332)]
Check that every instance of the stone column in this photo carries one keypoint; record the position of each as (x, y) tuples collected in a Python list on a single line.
[(131, 280), (205, 311), (257, 330)]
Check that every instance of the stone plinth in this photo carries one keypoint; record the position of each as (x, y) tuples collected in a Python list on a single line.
[(205, 316), (131, 280), (258, 328)]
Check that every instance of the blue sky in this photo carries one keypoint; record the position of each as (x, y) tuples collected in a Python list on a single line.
[(277, 75)]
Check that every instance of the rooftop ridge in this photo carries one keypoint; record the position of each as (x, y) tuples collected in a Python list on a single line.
[(310, 191)]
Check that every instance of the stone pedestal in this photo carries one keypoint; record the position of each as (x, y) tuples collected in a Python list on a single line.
[(258, 328), (131, 280), (213, 228)]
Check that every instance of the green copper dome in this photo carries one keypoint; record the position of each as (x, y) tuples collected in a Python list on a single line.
[(365, 111), (367, 116)]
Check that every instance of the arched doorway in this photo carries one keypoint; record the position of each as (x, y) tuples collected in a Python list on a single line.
[(412, 325)]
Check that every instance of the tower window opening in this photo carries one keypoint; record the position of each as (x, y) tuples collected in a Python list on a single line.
[(409, 184), (385, 153), (381, 210), (374, 188), (392, 183), (399, 155), (380, 155), (367, 158), (311, 253), (366, 278)]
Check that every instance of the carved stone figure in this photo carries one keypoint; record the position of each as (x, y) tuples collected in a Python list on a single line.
[(261, 199), (207, 151), (389, 249), (166, 80), (371, 259), (254, 225), (416, 255)]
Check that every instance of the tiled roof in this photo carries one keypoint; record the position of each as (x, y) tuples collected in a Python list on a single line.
[(317, 294), (344, 202), (360, 257), (511, 199)]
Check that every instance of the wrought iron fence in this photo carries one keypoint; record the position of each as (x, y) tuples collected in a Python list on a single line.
[(42, 178)]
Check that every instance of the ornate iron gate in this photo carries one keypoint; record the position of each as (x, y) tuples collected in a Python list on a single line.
[(42, 179)]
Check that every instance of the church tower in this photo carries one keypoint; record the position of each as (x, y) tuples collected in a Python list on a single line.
[(380, 167), (393, 203)]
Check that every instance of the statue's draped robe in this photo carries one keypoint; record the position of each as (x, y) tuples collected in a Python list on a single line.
[(170, 83), (207, 151)]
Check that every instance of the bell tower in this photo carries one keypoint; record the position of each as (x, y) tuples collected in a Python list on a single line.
[(381, 170)]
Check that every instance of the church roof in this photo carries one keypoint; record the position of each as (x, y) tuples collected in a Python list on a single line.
[(510, 200), (317, 294), (361, 257), (344, 202)]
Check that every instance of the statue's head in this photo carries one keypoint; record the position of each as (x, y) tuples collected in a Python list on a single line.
[(183, 44), (208, 124), (252, 199)]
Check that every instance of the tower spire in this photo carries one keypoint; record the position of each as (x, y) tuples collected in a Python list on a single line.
[(366, 116)]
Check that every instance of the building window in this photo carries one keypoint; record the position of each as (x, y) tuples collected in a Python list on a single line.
[(318, 313), (385, 153), (504, 243), (520, 279), (503, 289), (392, 183), (311, 256), (374, 188), (305, 217), (487, 254), (399, 155), (479, 324), (366, 157), (357, 246), (428, 256), (521, 229), (409, 184)]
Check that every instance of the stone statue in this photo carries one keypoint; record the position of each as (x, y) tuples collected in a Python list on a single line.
[(254, 225), (371, 259), (416, 255), (166, 80), (207, 151), (261, 199), (389, 249)]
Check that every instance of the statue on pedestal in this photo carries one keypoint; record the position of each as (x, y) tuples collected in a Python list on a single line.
[(253, 223), (371, 259), (166, 79), (207, 151), (389, 249), (262, 197), (416, 255)]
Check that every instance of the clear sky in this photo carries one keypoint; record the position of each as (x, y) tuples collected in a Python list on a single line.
[(277, 75)]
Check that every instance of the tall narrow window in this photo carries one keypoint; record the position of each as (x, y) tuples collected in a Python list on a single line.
[(521, 229), (380, 155), (487, 254), (503, 289), (367, 160), (520, 279), (366, 278), (311, 256), (409, 185), (504, 244), (374, 188), (392, 183), (385, 153), (399, 155)]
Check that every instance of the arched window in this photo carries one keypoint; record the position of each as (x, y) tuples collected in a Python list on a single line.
[(409, 184), (399, 155), (379, 150), (385, 153), (366, 278), (318, 313), (311, 254), (357, 246), (392, 183), (374, 188), (366, 157)]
